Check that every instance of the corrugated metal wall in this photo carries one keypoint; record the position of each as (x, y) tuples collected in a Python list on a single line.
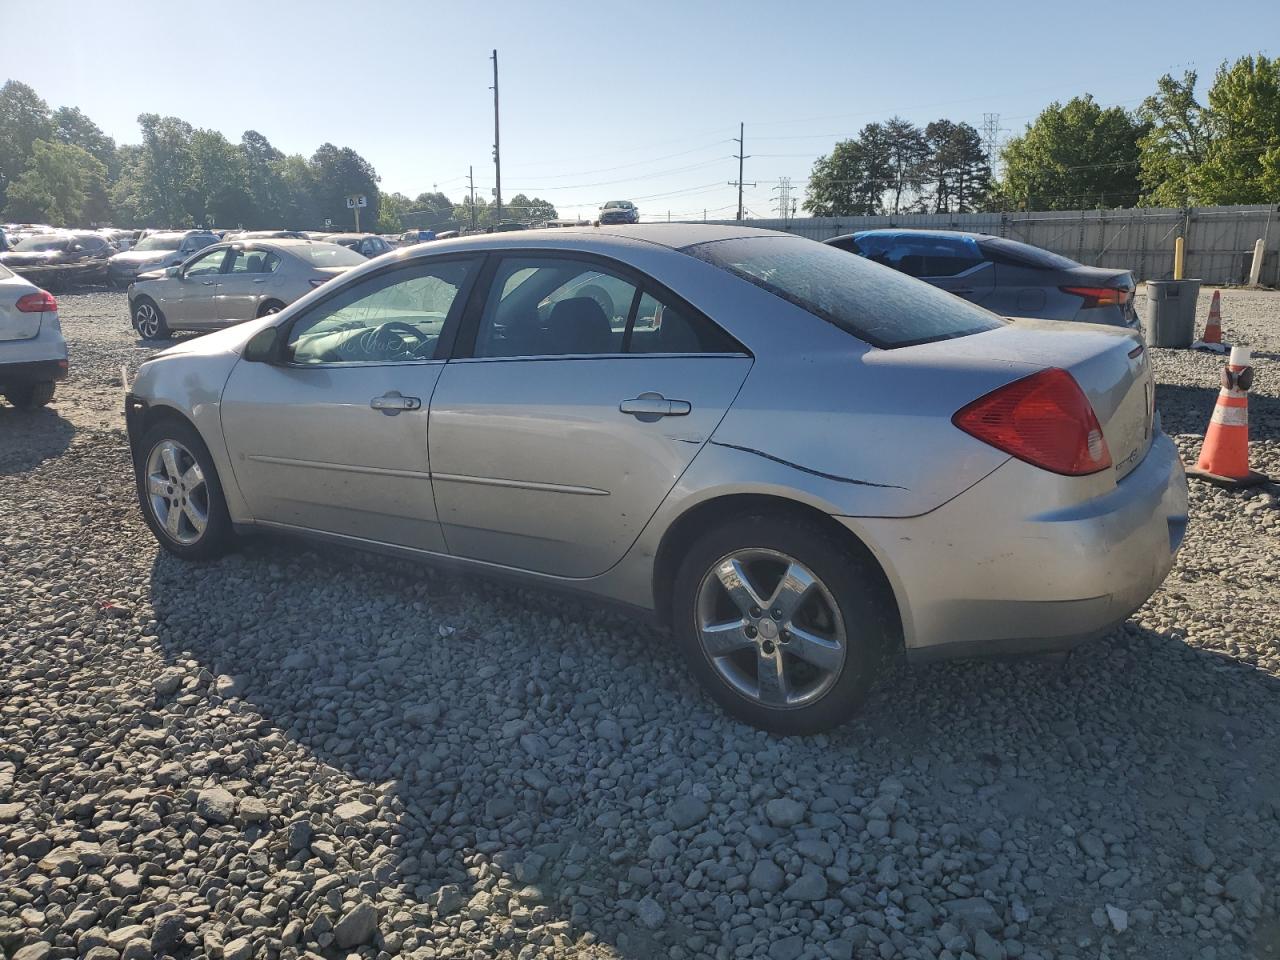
[(1219, 240)]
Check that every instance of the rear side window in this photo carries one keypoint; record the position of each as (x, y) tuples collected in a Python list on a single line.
[(1002, 250), (874, 303)]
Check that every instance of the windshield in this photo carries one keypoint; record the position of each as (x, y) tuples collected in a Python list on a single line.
[(35, 244), (327, 255), (874, 303), (159, 241), (1023, 254)]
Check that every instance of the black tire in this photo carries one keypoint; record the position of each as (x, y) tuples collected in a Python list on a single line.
[(857, 587), (149, 325), (270, 307), (30, 396), (218, 536)]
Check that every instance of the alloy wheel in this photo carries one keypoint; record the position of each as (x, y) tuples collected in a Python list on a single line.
[(770, 628), (147, 320), (177, 492)]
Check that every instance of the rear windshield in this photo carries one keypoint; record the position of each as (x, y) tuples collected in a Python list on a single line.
[(327, 255), (874, 303), (159, 241), (37, 244), (1023, 254)]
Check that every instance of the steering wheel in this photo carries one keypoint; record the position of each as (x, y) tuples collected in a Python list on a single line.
[(394, 340)]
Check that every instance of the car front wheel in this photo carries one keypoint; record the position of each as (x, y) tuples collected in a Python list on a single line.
[(148, 321), (180, 493), (781, 624)]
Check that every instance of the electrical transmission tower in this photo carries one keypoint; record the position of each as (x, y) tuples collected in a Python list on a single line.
[(991, 138), (784, 204)]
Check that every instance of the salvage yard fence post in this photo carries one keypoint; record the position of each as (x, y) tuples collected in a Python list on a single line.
[(1219, 242)]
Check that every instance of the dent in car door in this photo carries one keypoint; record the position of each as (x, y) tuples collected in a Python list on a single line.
[(535, 465)]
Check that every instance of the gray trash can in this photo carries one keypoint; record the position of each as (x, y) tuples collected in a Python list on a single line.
[(1171, 312)]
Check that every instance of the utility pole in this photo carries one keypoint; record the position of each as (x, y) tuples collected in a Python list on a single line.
[(741, 155), (497, 151), (471, 175)]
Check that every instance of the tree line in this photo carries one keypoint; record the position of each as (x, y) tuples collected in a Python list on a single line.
[(58, 167), (1173, 150)]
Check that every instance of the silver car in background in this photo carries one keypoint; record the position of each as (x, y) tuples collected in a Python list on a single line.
[(155, 251), (802, 462), (230, 282)]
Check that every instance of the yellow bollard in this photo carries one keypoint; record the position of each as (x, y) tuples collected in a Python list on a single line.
[(1179, 248)]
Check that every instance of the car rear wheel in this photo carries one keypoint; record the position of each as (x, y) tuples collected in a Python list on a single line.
[(270, 307), (180, 494), (30, 396), (781, 624), (149, 321)]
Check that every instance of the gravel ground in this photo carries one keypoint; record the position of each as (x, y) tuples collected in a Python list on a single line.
[(295, 752)]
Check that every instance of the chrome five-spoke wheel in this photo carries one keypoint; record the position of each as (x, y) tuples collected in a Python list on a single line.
[(177, 492), (770, 628)]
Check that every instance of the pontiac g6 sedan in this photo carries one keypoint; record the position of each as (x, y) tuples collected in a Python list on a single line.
[(802, 462)]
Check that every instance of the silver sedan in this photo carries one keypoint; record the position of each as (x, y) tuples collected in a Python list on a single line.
[(227, 283), (803, 463)]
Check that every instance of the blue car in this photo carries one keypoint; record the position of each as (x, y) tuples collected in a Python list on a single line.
[(1007, 277)]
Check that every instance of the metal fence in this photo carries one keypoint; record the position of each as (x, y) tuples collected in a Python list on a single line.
[(1219, 240)]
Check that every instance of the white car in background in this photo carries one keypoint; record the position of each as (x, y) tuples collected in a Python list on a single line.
[(33, 354)]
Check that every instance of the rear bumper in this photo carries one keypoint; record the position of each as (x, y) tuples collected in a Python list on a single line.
[(968, 583), (32, 371)]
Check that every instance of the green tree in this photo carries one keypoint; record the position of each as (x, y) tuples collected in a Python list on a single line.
[(907, 152), (391, 208), (483, 213), (299, 206), (530, 210), (956, 174), (70, 125), (263, 180), (1074, 155), (24, 119), (1242, 160), (339, 173), (853, 178), (435, 208), (1175, 143), (58, 186), (220, 182), (160, 186)]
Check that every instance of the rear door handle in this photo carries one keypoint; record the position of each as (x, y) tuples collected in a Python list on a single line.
[(261, 280), (649, 407), (392, 403)]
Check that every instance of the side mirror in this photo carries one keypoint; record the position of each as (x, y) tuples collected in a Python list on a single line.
[(263, 346), (172, 271)]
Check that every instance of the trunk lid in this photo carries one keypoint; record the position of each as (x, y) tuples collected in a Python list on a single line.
[(1109, 363), (14, 323)]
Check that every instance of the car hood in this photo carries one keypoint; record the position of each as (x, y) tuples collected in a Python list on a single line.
[(219, 343), (33, 257), (143, 257)]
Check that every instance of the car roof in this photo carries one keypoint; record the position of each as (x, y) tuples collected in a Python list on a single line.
[(676, 236), (896, 231)]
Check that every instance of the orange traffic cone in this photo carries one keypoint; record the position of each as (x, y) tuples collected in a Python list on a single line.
[(1212, 339), (1224, 457)]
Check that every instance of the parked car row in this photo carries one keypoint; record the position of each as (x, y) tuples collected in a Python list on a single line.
[(805, 464)]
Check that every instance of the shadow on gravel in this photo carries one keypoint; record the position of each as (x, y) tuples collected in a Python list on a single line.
[(561, 741), (29, 437), (1187, 410)]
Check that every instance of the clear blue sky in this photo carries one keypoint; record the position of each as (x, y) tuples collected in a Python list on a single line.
[(604, 100)]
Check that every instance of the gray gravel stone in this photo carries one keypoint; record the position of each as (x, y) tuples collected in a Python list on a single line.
[(357, 925), (216, 804)]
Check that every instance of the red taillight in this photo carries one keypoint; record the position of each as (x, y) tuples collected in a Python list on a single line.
[(38, 302), (1100, 296), (1044, 419)]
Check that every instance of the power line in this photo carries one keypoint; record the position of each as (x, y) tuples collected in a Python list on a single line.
[(636, 163), (642, 176)]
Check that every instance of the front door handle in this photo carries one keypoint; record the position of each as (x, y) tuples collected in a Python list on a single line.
[(207, 283), (261, 280), (391, 403), (649, 407)]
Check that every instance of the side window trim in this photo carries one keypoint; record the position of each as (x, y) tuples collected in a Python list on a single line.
[(446, 332), (222, 267)]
